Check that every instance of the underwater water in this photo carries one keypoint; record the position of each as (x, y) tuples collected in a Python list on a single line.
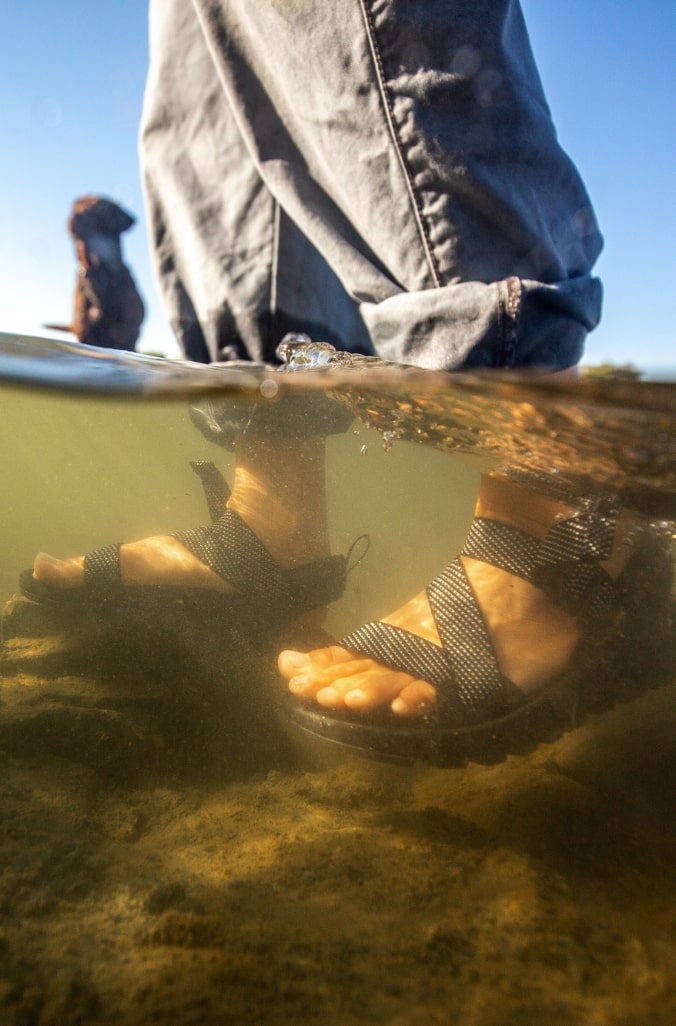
[(178, 845)]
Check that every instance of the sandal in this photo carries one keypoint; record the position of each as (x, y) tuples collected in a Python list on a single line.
[(230, 549), (480, 715)]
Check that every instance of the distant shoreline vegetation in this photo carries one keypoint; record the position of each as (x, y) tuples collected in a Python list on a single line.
[(618, 372)]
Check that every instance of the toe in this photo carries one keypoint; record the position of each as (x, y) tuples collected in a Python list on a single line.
[(322, 678), (61, 573), (292, 664), (376, 686), (415, 699), (336, 678)]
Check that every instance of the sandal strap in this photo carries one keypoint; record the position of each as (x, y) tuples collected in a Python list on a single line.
[(467, 661), (216, 489), (502, 546), (564, 564), (102, 566), (567, 568), (400, 650), (318, 583), (463, 633), (231, 549)]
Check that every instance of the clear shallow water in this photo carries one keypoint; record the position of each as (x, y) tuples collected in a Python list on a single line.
[(172, 851)]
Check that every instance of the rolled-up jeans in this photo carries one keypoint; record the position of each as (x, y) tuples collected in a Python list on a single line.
[(380, 174)]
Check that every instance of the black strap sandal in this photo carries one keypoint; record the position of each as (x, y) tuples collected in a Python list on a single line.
[(481, 716), (230, 549)]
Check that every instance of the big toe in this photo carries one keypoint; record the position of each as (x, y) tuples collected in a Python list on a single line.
[(291, 663), (62, 573), (43, 562)]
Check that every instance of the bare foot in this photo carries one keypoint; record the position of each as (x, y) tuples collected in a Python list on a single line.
[(157, 560), (532, 638), (278, 491)]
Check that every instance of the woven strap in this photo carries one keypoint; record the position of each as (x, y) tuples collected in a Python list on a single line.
[(216, 490), (231, 549), (102, 567), (466, 661), (565, 564)]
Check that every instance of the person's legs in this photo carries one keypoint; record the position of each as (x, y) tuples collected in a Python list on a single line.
[(437, 191), (412, 148), (387, 165), (235, 273)]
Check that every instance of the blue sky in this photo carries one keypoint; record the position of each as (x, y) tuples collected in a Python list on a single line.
[(71, 86)]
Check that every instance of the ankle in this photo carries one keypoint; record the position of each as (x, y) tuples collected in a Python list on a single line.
[(291, 538), (279, 492), (536, 512), (533, 638), (527, 510)]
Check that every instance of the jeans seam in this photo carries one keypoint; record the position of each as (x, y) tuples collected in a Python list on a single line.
[(398, 143)]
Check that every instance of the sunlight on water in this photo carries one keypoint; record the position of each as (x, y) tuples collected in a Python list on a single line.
[(182, 842)]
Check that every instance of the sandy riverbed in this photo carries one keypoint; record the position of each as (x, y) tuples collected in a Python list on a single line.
[(170, 854)]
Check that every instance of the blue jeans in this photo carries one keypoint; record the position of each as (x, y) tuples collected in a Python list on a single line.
[(380, 174)]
